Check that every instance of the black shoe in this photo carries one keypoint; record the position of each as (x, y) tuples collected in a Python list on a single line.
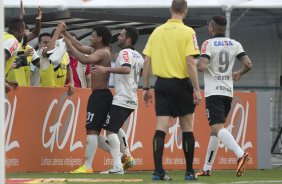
[(161, 176), (190, 175)]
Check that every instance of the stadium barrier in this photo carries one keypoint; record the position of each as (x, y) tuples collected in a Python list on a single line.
[(45, 132)]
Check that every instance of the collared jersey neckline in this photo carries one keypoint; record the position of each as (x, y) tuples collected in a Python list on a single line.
[(175, 20)]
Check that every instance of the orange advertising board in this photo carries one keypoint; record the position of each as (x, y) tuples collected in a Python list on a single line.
[(45, 132)]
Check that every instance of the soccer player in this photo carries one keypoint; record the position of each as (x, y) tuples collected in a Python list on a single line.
[(126, 159), (46, 73), (170, 51), (217, 59), (101, 98), (11, 46), (127, 69)]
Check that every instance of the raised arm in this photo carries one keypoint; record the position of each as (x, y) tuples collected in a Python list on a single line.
[(22, 12), (35, 32), (52, 42), (117, 70), (86, 59), (79, 46)]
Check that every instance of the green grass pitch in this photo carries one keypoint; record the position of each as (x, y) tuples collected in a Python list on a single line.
[(219, 176)]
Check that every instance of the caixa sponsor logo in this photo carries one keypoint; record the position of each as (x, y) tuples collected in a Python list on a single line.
[(9, 122), (64, 125)]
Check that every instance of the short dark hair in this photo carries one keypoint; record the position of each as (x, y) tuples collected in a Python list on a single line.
[(131, 32), (179, 6), (43, 34), (15, 24), (220, 20), (105, 33)]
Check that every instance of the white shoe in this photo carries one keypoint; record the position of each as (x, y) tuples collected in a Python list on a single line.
[(114, 170)]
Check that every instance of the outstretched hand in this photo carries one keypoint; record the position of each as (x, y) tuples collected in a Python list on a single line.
[(61, 27), (29, 52), (39, 13), (98, 69), (22, 11)]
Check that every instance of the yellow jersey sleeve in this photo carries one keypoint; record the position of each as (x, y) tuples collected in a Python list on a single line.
[(148, 48)]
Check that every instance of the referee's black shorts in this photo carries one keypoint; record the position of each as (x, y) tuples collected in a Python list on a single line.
[(217, 108), (174, 97)]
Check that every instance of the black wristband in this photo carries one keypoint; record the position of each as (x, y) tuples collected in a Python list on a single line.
[(146, 89)]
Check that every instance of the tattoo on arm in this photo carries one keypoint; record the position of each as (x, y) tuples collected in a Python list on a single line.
[(247, 65)]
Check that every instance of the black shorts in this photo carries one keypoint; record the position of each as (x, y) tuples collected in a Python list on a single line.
[(217, 108), (99, 104), (116, 118), (174, 97)]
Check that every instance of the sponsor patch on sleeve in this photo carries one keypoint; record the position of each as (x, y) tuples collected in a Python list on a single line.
[(125, 56), (204, 47), (14, 47)]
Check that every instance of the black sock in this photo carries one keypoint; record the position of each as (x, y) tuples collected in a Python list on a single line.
[(158, 147), (188, 144)]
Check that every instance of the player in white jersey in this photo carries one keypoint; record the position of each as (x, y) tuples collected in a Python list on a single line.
[(127, 69), (217, 59)]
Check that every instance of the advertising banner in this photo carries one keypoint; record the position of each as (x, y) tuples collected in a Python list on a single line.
[(45, 132)]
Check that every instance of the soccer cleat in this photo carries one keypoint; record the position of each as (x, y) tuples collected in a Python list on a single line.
[(82, 169), (161, 176), (204, 173), (242, 163), (114, 170), (190, 176), (127, 162)]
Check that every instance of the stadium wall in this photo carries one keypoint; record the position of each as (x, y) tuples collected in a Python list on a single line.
[(45, 132)]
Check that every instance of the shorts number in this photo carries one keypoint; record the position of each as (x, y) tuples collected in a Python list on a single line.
[(90, 116)]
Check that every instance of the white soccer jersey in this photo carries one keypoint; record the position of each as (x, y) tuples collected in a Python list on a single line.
[(222, 53), (44, 61), (35, 54), (126, 85)]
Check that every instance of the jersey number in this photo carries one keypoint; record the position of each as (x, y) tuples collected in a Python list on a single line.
[(223, 61)]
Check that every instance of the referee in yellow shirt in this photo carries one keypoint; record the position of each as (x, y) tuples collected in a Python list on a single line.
[(170, 53)]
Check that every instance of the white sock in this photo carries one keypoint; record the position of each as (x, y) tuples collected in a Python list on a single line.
[(211, 153), (228, 140), (123, 142), (115, 149), (90, 150), (103, 143)]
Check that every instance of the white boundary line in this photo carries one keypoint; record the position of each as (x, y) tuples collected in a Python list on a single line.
[(258, 181)]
